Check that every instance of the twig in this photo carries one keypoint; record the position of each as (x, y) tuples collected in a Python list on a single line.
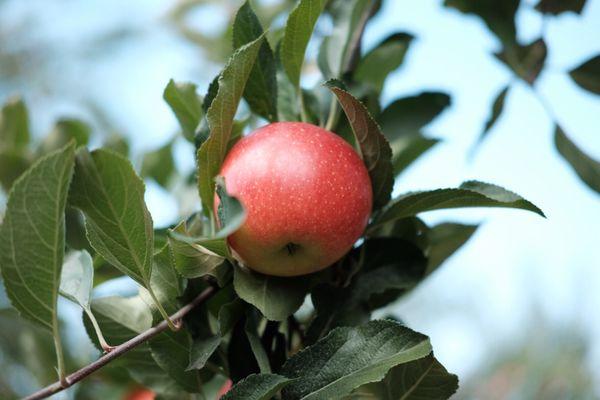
[(117, 351)]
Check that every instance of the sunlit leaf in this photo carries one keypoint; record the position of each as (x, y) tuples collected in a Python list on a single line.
[(185, 104), (298, 30), (584, 166), (14, 125), (220, 118), (469, 194), (110, 194), (65, 130), (32, 237), (159, 164)]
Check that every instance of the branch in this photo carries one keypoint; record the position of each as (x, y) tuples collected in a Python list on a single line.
[(76, 376)]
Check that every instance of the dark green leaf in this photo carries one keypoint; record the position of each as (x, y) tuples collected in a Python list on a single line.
[(185, 104), (497, 109), (240, 356), (262, 359), (525, 61), (231, 213), (556, 7), (32, 237), (410, 149), (261, 88), (12, 165), (499, 16), (374, 148), (587, 75), (445, 239), (77, 278), (388, 264), (166, 284), (287, 103), (65, 130), (385, 58), (14, 125), (171, 351), (276, 298), (351, 357), (298, 30), (202, 349), (220, 119), (159, 164), (408, 115), (338, 50), (119, 226), (257, 387), (420, 379), (585, 167), (469, 194), (193, 260)]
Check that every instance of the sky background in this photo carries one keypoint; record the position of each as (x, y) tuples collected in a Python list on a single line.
[(520, 278)]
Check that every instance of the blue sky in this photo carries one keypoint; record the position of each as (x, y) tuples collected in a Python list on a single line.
[(482, 300)]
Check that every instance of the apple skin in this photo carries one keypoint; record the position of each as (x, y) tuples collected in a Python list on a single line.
[(307, 194), (140, 394), (225, 388)]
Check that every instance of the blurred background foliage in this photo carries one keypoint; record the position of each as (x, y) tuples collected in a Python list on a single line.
[(513, 313)]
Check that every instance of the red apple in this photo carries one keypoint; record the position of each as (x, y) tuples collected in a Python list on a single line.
[(307, 194), (140, 394)]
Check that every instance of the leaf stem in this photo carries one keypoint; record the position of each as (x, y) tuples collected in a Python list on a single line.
[(105, 346), (161, 310), (333, 114), (303, 114), (60, 359), (119, 350)]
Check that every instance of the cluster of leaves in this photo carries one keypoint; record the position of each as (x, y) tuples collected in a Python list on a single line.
[(527, 63), (254, 329)]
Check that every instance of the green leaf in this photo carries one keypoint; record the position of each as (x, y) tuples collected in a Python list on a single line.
[(469, 194), (257, 387), (587, 75), (497, 108), (14, 125), (277, 298), (499, 16), (262, 359), (374, 148), (525, 61), (185, 104), (192, 260), (338, 50), (201, 351), (32, 237), (159, 164), (386, 264), (351, 357), (171, 351), (220, 119), (420, 379), (556, 7), (107, 190), (410, 150), (231, 213), (65, 130), (122, 319), (385, 58), (12, 165), (77, 278), (165, 282), (585, 167), (261, 88), (408, 115), (298, 30), (445, 239)]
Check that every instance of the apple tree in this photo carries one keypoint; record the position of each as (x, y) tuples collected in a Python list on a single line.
[(206, 322)]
